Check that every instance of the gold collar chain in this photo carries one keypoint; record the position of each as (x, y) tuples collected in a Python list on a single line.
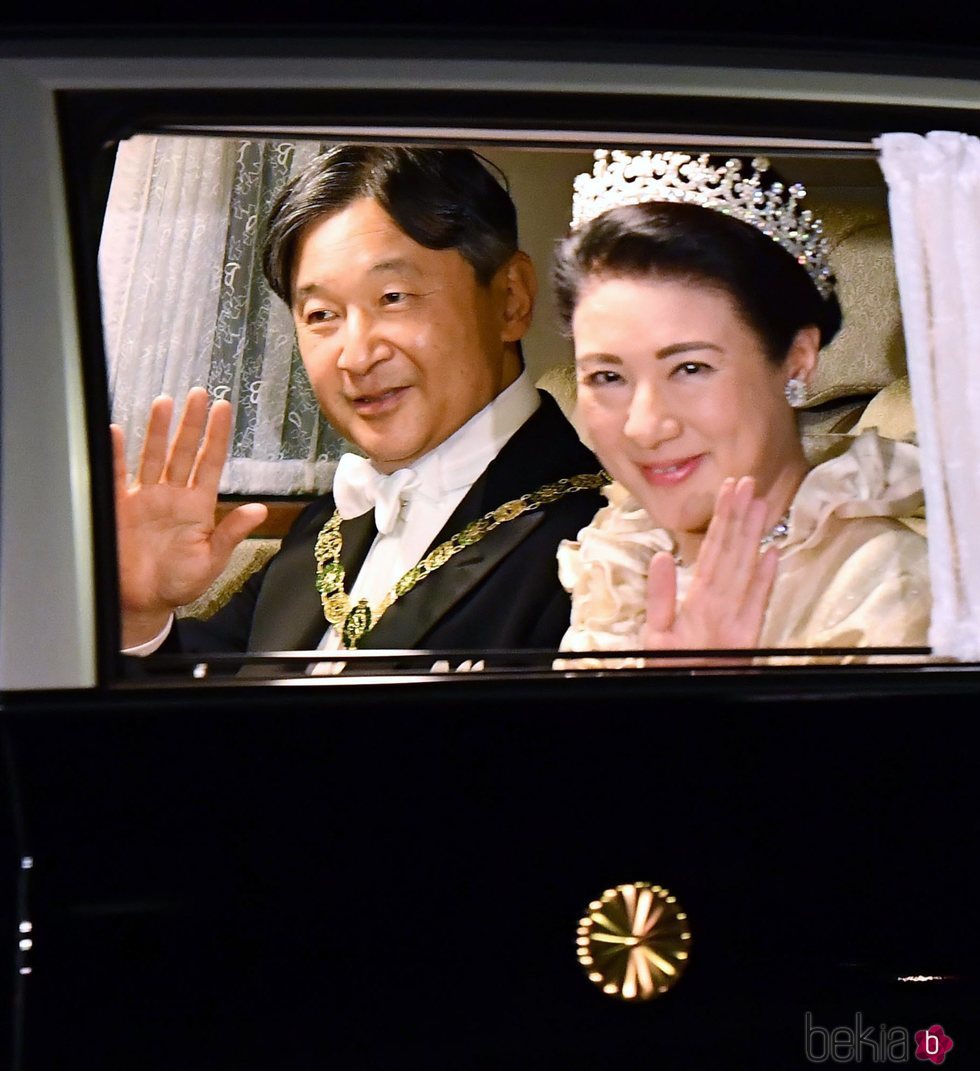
[(353, 622)]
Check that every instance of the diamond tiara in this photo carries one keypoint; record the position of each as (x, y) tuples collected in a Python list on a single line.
[(621, 179)]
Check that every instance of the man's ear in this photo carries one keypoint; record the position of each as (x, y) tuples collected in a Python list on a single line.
[(520, 283), (801, 360)]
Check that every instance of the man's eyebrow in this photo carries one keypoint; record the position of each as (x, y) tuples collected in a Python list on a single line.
[(396, 264)]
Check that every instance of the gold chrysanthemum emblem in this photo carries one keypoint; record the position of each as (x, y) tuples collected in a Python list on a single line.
[(634, 942)]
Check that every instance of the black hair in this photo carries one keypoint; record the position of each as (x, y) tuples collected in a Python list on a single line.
[(440, 198), (771, 291)]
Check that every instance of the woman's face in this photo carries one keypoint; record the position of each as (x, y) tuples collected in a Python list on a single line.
[(676, 393)]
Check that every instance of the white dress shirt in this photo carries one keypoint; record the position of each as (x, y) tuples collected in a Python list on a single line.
[(445, 474)]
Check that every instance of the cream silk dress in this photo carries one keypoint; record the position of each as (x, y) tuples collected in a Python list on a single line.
[(853, 568)]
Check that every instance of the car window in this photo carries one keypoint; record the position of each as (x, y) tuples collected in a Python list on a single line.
[(184, 208)]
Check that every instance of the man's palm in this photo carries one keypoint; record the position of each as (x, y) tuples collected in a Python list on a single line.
[(170, 549)]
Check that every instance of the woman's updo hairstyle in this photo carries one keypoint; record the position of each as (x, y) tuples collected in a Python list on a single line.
[(772, 293)]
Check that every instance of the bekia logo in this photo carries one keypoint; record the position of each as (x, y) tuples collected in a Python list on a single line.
[(879, 1044), (932, 1044)]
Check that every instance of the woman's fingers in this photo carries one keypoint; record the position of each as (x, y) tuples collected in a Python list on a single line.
[(743, 556), (757, 595), (661, 593), (716, 536), (729, 593), (723, 552)]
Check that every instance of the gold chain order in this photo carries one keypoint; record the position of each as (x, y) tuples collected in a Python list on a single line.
[(355, 621)]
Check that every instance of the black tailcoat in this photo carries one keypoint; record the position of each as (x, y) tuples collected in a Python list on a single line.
[(502, 592)]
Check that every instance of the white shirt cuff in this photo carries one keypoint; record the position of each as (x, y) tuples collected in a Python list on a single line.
[(141, 650)]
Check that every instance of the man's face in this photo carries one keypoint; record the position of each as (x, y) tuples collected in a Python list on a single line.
[(401, 343)]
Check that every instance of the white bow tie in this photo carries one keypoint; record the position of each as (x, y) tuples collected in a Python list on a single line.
[(357, 486)]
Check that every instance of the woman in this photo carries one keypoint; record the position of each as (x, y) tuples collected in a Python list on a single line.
[(698, 297)]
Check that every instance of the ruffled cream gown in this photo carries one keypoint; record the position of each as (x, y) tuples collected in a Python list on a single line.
[(853, 568)]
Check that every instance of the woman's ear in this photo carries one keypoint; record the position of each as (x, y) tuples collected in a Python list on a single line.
[(520, 282), (804, 350)]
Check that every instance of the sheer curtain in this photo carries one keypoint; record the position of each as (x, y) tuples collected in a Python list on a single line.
[(184, 304), (934, 205)]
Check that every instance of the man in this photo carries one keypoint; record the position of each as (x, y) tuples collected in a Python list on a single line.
[(410, 297)]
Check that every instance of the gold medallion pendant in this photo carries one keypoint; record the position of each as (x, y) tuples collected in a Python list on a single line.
[(354, 622)]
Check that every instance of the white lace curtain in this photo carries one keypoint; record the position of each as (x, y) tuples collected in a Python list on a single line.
[(934, 205), (185, 304)]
